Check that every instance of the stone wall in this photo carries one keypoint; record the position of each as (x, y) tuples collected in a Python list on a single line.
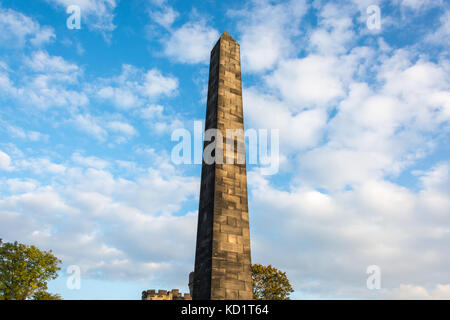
[(165, 295)]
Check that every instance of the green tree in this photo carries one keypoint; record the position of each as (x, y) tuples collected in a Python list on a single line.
[(25, 271), (269, 283), (44, 295)]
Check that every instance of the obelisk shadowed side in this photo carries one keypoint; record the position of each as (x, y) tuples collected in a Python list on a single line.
[(203, 253), (223, 260)]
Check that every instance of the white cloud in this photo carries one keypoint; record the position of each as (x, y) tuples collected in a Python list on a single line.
[(45, 91), (331, 238), (436, 188), (408, 292), (44, 201), (48, 82), (158, 2), (90, 125), (6, 84), (441, 36), (159, 121), (135, 87), (5, 162), (164, 17), (51, 83), (122, 98), (156, 84), (419, 4), (266, 30), (351, 119), (382, 132), (98, 15), (41, 61), (19, 185), (442, 292), (191, 43), (152, 111), (92, 162), (100, 217), (413, 292), (18, 132), (122, 127), (16, 30), (298, 131), (369, 114), (334, 34), (41, 166), (331, 168), (100, 127), (435, 179), (44, 35), (308, 81)]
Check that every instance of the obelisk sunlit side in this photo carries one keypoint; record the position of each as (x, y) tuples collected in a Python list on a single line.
[(223, 261)]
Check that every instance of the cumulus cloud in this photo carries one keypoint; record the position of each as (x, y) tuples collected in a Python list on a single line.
[(334, 34), (159, 120), (18, 132), (5, 161), (122, 127), (135, 87), (50, 83), (18, 30), (372, 128), (412, 292), (298, 131), (100, 217), (355, 118), (21, 185), (41, 166), (164, 17), (92, 162), (441, 36), (98, 15), (266, 32), (41, 61), (90, 125), (378, 133), (101, 127), (46, 81), (191, 43), (419, 4), (308, 81), (331, 238)]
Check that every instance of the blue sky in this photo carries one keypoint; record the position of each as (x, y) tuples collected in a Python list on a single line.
[(86, 118)]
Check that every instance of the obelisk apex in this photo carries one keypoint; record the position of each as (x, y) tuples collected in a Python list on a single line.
[(223, 260)]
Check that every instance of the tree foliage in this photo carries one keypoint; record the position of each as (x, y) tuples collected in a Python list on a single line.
[(44, 295), (269, 283), (25, 271)]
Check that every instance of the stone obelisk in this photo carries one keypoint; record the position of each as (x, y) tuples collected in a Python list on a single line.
[(222, 260)]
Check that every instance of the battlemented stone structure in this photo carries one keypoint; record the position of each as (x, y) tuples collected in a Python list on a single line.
[(165, 295), (222, 260)]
